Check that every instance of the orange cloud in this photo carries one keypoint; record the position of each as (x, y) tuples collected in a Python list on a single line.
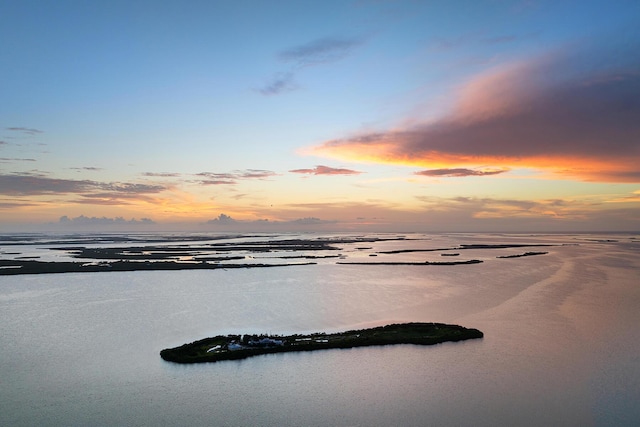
[(563, 112)]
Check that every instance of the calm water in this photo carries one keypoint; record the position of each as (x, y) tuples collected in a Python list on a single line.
[(561, 346)]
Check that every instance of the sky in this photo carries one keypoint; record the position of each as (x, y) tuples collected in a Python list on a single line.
[(350, 115)]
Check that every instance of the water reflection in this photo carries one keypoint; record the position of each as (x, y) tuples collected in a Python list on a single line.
[(560, 345)]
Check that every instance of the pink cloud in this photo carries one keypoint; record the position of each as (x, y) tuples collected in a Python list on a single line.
[(564, 112)]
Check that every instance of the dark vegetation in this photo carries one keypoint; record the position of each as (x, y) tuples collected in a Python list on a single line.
[(175, 255), (186, 250), (13, 267), (234, 347), (471, 261), (189, 252), (305, 256), (471, 246)]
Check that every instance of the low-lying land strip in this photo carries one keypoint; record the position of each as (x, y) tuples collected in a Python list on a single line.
[(196, 253), (234, 347), (523, 254), (471, 261), (470, 246), (14, 267)]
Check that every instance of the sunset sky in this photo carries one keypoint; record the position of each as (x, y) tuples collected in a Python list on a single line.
[(320, 115)]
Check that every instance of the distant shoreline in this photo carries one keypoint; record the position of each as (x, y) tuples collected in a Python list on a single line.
[(201, 255), (471, 261), (9, 268)]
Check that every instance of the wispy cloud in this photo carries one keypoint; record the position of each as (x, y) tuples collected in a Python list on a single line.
[(28, 131), (13, 159), (226, 221), (495, 208), (319, 51), (313, 53), (162, 174), (563, 112), (326, 170), (231, 178), (115, 199), (131, 188), (102, 221), (87, 168), (280, 83), (28, 185), (15, 205), (311, 220), (459, 172), (31, 185), (633, 197), (255, 174), (217, 182)]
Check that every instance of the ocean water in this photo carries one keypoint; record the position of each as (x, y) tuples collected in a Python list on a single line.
[(561, 345)]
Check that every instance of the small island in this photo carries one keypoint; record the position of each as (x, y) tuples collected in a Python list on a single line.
[(467, 262), (522, 254), (235, 347)]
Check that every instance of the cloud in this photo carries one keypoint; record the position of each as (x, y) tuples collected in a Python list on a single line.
[(574, 113), (222, 219), (28, 131), (12, 159), (131, 188), (28, 185), (634, 197), (444, 214), (316, 52), (114, 198), (458, 172), (217, 178), (231, 178), (225, 221), (34, 185), (280, 83), (87, 168), (95, 221), (494, 208), (161, 174), (217, 182), (319, 51), (255, 174), (326, 170), (311, 221), (15, 205)]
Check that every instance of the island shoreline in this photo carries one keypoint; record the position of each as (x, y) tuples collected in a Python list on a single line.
[(237, 347)]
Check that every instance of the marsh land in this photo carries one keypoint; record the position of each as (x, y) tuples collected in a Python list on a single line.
[(71, 254)]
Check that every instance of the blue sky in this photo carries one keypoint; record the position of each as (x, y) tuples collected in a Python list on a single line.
[(404, 115)]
